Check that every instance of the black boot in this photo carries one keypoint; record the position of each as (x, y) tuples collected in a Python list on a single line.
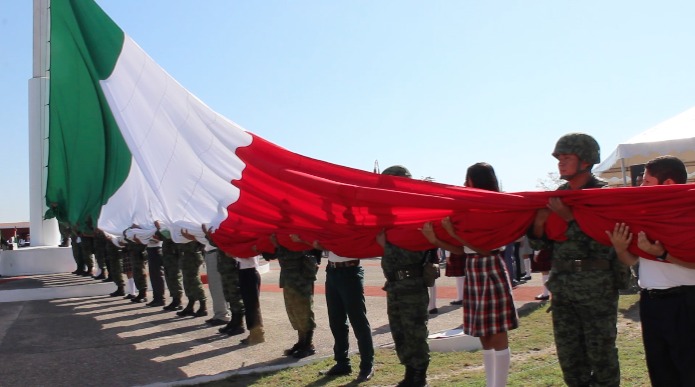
[(101, 276), (235, 326), (175, 305), (141, 297), (408, 378), (107, 279), (188, 310), (119, 292), (202, 310), (307, 347), (295, 347), (420, 377)]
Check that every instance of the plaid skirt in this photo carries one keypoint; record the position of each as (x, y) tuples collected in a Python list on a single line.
[(127, 266), (542, 261), (488, 305), (455, 266)]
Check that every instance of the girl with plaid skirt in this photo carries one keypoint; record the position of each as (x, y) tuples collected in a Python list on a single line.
[(488, 305)]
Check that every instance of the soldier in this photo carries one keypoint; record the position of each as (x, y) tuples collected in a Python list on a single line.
[(190, 259), (172, 272), (114, 252), (100, 254), (138, 260), (667, 298), (585, 293), (406, 302), (250, 287), (297, 276), (87, 246)]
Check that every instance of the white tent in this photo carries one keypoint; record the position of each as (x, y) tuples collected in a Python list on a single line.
[(675, 136)]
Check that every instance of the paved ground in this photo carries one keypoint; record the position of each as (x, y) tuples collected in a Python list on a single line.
[(86, 337)]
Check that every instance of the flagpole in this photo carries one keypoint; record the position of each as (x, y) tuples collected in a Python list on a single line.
[(43, 232)]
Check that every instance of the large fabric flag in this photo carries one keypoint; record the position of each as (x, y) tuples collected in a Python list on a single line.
[(129, 145)]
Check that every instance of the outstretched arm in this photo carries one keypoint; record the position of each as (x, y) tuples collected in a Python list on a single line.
[(428, 231), (449, 227), (657, 249)]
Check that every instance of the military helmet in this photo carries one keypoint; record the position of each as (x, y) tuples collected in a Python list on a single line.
[(584, 146), (397, 170)]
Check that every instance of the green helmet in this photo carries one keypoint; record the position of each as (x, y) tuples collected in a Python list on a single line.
[(397, 170), (580, 144)]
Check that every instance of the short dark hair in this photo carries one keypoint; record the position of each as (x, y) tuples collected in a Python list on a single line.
[(482, 175), (667, 167)]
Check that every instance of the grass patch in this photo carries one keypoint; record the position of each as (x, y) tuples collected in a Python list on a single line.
[(534, 362)]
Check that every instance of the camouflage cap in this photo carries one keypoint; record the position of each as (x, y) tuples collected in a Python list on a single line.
[(580, 144), (397, 170)]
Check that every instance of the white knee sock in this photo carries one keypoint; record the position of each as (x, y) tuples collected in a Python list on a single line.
[(433, 298), (459, 288), (545, 279), (489, 363), (502, 360), (131, 286), (527, 264)]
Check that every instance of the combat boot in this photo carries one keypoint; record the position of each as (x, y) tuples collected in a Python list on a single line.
[(295, 347), (235, 326), (187, 311), (101, 276), (408, 378), (202, 310), (256, 336), (119, 292), (174, 305), (141, 297), (306, 347)]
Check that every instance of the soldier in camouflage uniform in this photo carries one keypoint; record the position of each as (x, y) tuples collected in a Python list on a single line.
[(585, 293), (138, 259), (87, 246), (100, 254), (228, 267), (114, 253), (298, 271), (172, 272), (190, 260), (76, 251), (406, 303)]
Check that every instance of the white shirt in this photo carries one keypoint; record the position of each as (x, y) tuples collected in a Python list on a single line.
[(663, 275), (247, 263), (336, 258)]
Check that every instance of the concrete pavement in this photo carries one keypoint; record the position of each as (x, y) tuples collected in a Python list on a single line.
[(64, 330)]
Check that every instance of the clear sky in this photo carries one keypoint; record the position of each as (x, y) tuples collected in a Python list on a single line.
[(432, 85)]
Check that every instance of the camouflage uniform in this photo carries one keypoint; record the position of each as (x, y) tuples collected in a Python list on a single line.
[(115, 255), (585, 302), (138, 261), (172, 273), (100, 251), (298, 271), (190, 259), (87, 246), (77, 253), (228, 268), (406, 305)]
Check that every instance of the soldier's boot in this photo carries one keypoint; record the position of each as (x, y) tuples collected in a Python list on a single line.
[(256, 336), (141, 297), (101, 275), (235, 326), (408, 378), (307, 346), (420, 377), (174, 305), (202, 310), (119, 292), (295, 347), (188, 310)]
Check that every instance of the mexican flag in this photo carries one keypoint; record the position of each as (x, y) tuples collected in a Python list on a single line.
[(130, 145)]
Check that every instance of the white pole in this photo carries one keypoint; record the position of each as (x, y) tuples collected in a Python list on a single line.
[(43, 232), (623, 172)]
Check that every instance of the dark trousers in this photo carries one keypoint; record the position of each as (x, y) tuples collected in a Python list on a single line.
[(155, 264), (668, 333), (250, 287), (345, 299)]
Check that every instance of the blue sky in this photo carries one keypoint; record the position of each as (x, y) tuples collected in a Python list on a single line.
[(435, 86)]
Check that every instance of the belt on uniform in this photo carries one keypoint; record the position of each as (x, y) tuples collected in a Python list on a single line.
[(668, 292), (402, 274), (342, 264), (577, 265)]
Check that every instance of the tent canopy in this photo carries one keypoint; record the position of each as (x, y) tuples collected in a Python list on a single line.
[(675, 136)]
